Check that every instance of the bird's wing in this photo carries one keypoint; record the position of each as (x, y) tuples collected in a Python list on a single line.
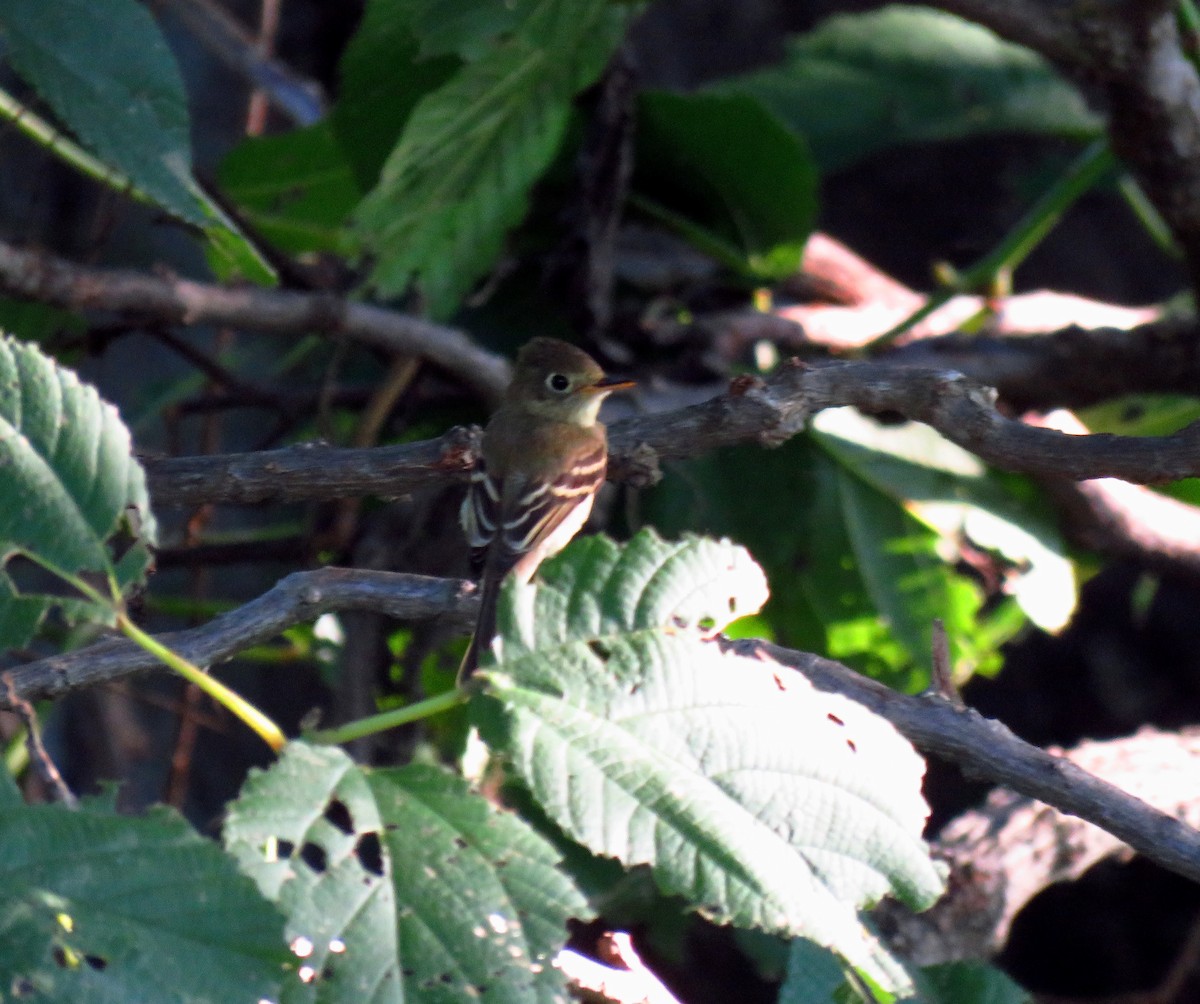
[(506, 520)]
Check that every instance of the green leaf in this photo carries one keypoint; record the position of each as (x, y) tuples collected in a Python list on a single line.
[(761, 801), (908, 583), (10, 794), (70, 484), (116, 910), (401, 884), (860, 83), (125, 102), (109, 76), (1142, 414), (1149, 415), (744, 185), (969, 983), (949, 491), (460, 176), (787, 505), (482, 899), (309, 833), (297, 188), (464, 27), (816, 976), (36, 322), (383, 76)]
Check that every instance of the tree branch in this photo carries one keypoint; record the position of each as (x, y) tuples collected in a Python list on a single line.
[(1131, 54), (764, 411), (981, 748), (299, 98), (986, 749), (1007, 851), (294, 599), (169, 299)]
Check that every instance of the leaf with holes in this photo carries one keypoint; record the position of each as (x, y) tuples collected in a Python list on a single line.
[(484, 907), (105, 908), (309, 833), (761, 801), (70, 485), (401, 884)]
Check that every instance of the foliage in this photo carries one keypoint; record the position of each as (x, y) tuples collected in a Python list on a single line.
[(102, 907), (729, 176), (460, 175), (124, 100), (70, 486), (911, 75), (634, 744)]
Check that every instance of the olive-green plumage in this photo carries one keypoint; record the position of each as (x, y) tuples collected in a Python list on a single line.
[(542, 461)]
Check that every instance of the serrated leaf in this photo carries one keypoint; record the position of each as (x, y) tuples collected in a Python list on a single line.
[(383, 76), (859, 83), (309, 833), (460, 176), (70, 482), (401, 884), (744, 184), (484, 908), (108, 74), (117, 910), (126, 105), (762, 802)]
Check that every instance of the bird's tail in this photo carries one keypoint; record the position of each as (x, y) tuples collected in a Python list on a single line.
[(485, 628)]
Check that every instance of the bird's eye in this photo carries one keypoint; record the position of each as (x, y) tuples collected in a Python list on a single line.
[(558, 382)]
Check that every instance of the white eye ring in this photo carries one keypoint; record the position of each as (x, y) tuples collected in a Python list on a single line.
[(558, 382)]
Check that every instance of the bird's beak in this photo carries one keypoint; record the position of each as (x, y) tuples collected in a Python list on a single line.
[(607, 386)]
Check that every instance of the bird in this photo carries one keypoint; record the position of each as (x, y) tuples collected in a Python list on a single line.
[(542, 459)]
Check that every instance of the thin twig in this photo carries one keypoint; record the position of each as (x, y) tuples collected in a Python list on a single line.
[(300, 99), (38, 754)]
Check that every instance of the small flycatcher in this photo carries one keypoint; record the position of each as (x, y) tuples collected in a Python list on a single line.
[(543, 459)]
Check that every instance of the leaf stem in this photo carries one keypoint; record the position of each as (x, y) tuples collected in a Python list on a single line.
[(268, 731), (389, 719), (58, 143), (1084, 172)]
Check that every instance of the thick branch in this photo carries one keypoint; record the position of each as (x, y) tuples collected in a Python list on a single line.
[(980, 747), (1131, 53), (768, 412), (1007, 851), (1071, 368), (169, 299)]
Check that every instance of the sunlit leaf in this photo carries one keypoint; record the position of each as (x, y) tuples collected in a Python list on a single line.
[(761, 801)]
